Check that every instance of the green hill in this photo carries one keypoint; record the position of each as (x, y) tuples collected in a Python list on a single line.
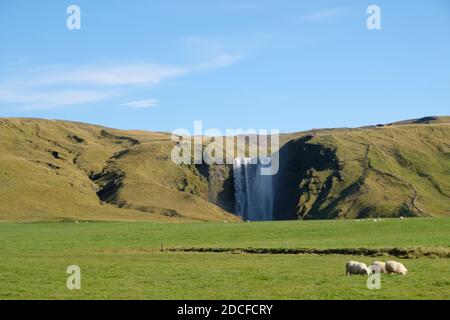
[(59, 170), (401, 169), (64, 170)]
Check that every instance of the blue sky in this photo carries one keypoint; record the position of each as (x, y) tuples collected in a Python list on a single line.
[(288, 65)]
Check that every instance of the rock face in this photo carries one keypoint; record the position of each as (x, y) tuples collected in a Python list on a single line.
[(220, 185), (305, 178)]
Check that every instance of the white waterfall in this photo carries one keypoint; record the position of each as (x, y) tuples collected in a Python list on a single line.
[(253, 191)]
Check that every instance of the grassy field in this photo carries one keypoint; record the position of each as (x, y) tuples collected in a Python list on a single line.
[(124, 261)]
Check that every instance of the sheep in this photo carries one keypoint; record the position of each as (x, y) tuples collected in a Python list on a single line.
[(355, 267), (395, 267), (378, 266)]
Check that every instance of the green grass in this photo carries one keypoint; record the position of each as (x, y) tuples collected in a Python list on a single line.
[(122, 260)]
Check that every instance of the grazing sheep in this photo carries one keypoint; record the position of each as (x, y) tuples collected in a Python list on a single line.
[(395, 267), (355, 267), (378, 266)]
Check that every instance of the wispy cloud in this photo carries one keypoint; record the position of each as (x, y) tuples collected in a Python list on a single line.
[(220, 61), (34, 99), (142, 104), (321, 15), (105, 75), (210, 53), (60, 86)]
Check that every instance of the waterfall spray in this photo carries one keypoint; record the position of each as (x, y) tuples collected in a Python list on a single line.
[(253, 191)]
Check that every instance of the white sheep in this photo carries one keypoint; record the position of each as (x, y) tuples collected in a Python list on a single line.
[(355, 267), (395, 267), (378, 266)]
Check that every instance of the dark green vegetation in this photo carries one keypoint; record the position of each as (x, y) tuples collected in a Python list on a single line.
[(405, 253), (57, 170), (123, 260)]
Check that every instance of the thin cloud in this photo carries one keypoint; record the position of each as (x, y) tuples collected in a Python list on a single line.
[(211, 53), (50, 99), (108, 75), (220, 61), (59, 86), (141, 104)]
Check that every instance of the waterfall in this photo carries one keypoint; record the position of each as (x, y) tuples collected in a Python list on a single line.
[(253, 191)]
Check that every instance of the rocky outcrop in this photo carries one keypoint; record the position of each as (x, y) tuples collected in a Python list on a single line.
[(306, 176), (220, 185)]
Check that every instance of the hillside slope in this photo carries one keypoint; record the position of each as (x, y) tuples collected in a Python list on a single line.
[(66, 170), (401, 169), (60, 170)]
